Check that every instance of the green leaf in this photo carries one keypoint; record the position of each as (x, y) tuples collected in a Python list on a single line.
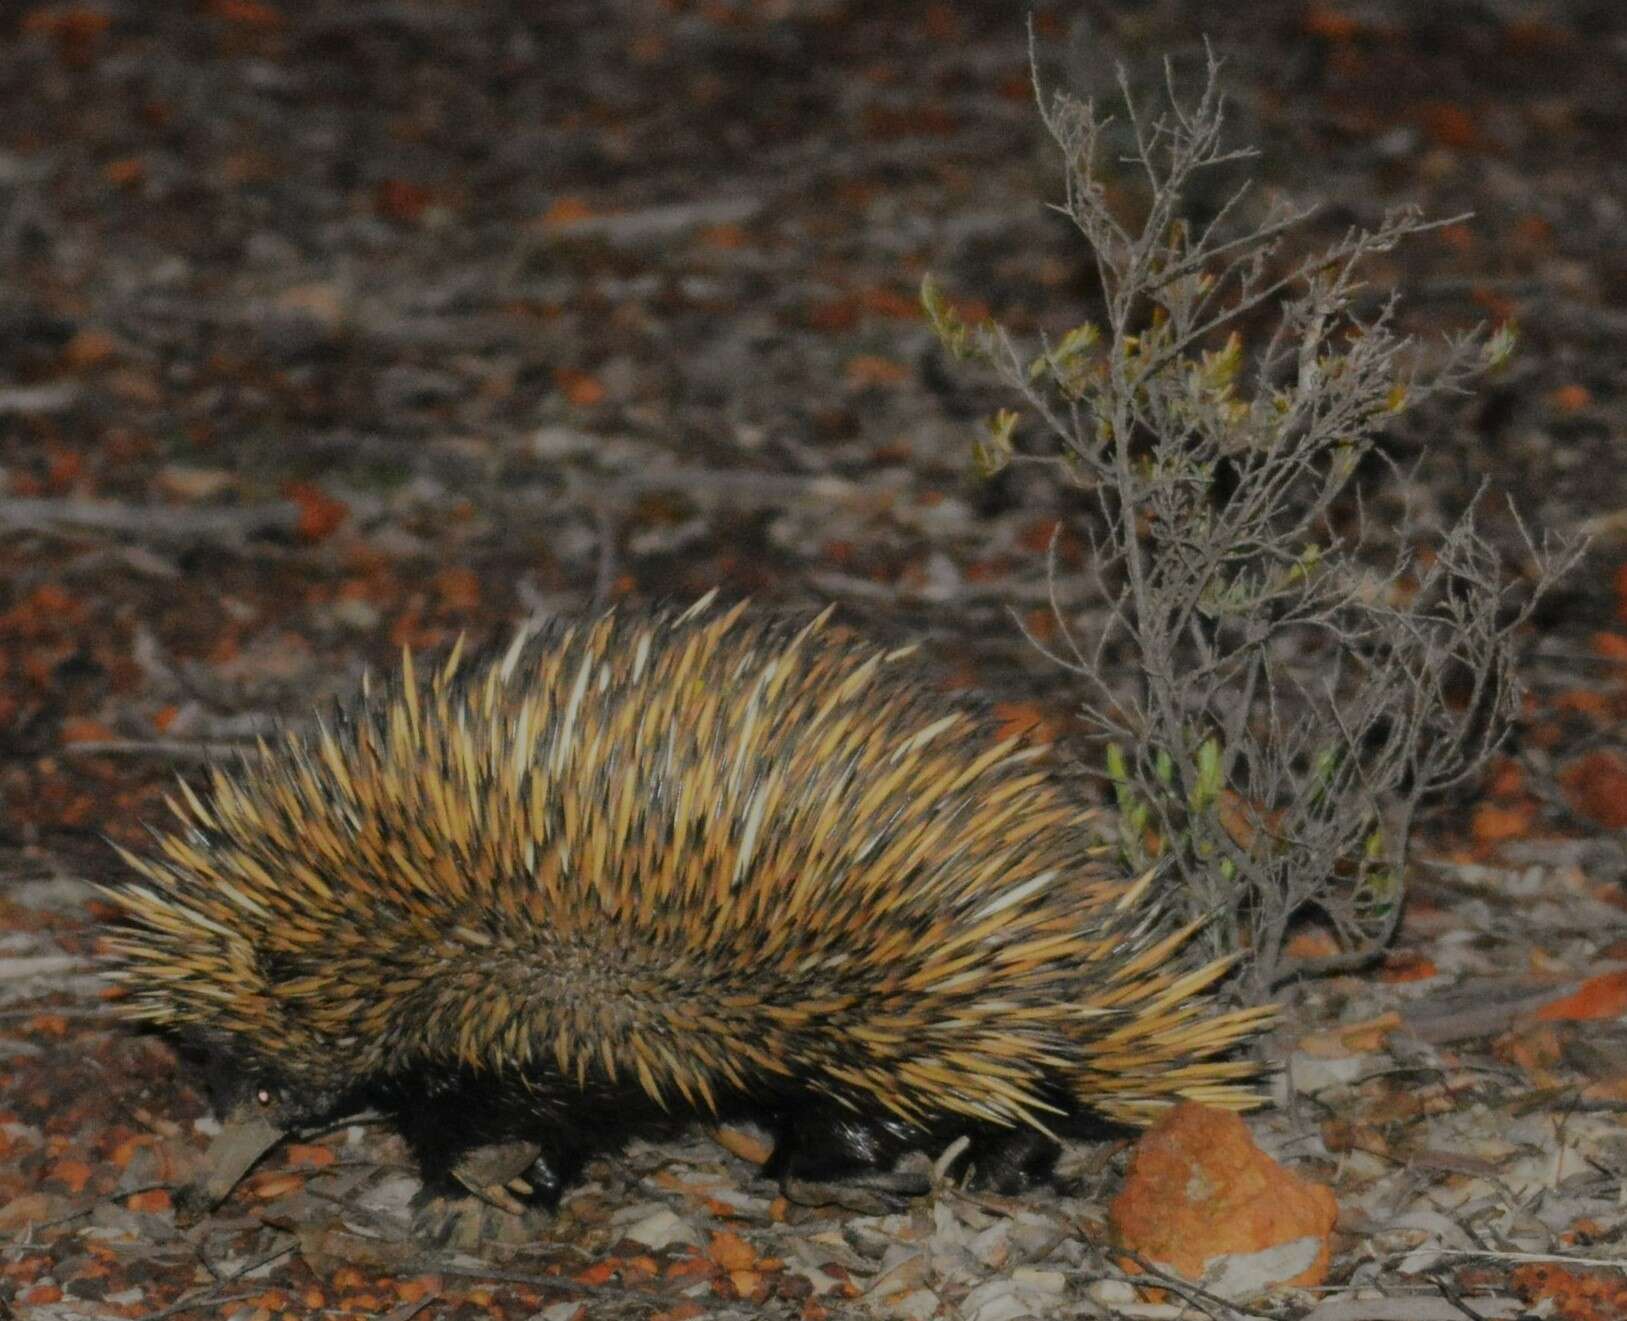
[(1207, 788), (953, 332), (1220, 368), (1062, 361), (1117, 771), (1302, 568), (1500, 345), (1081, 339), (994, 452)]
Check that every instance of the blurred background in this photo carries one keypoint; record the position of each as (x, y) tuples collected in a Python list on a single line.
[(332, 327)]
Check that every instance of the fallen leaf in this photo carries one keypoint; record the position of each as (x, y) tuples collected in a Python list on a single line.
[(892, 303), (1604, 996), (1596, 787), (725, 238), (1407, 966), (1024, 718), (1328, 23), (869, 369), (458, 588), (1449, 124), (79, 729), (89, 348), (248, 13), (579, 388), (401, 199), (1351, 1038), (730, 1251), (319, 513), (277, 1185), (1612, 646), (1494, 822), (1583, 701), (40, 1295), (125, 172), (565, 211), (72, 1174)]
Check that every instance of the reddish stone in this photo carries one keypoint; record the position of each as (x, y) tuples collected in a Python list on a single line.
[(1199, 1188)]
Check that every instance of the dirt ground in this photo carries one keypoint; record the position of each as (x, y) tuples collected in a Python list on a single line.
[(333, 327)]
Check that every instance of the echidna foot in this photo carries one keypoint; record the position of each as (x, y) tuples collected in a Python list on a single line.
[(496, 1191), (487, 1170), (1009, 1161), (831, 1156)]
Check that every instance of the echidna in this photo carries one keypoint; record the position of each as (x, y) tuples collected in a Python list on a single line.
[(694, 864)]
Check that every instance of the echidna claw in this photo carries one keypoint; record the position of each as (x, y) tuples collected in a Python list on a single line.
[(489, 1193), (497, 1195), (494, 1164)]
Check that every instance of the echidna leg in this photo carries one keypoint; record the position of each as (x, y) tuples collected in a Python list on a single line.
[(821, 1152), (1009, 1161), (496, 1173), (489, 1192)]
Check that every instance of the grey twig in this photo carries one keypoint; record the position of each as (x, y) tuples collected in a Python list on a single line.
[(160, 523)]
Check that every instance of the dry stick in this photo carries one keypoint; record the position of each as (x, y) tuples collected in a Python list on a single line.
[(740, 485), (151, 522), (1407, 1307), (32, 400), (1193, 1294)]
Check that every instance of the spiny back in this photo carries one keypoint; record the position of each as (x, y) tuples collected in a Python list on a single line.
[(711, 853)]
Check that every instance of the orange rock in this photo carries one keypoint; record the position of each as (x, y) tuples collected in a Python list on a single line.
[(1199, 1188), (1584, 1295)]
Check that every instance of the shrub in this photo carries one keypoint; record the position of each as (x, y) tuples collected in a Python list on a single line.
[(1297, 682)]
